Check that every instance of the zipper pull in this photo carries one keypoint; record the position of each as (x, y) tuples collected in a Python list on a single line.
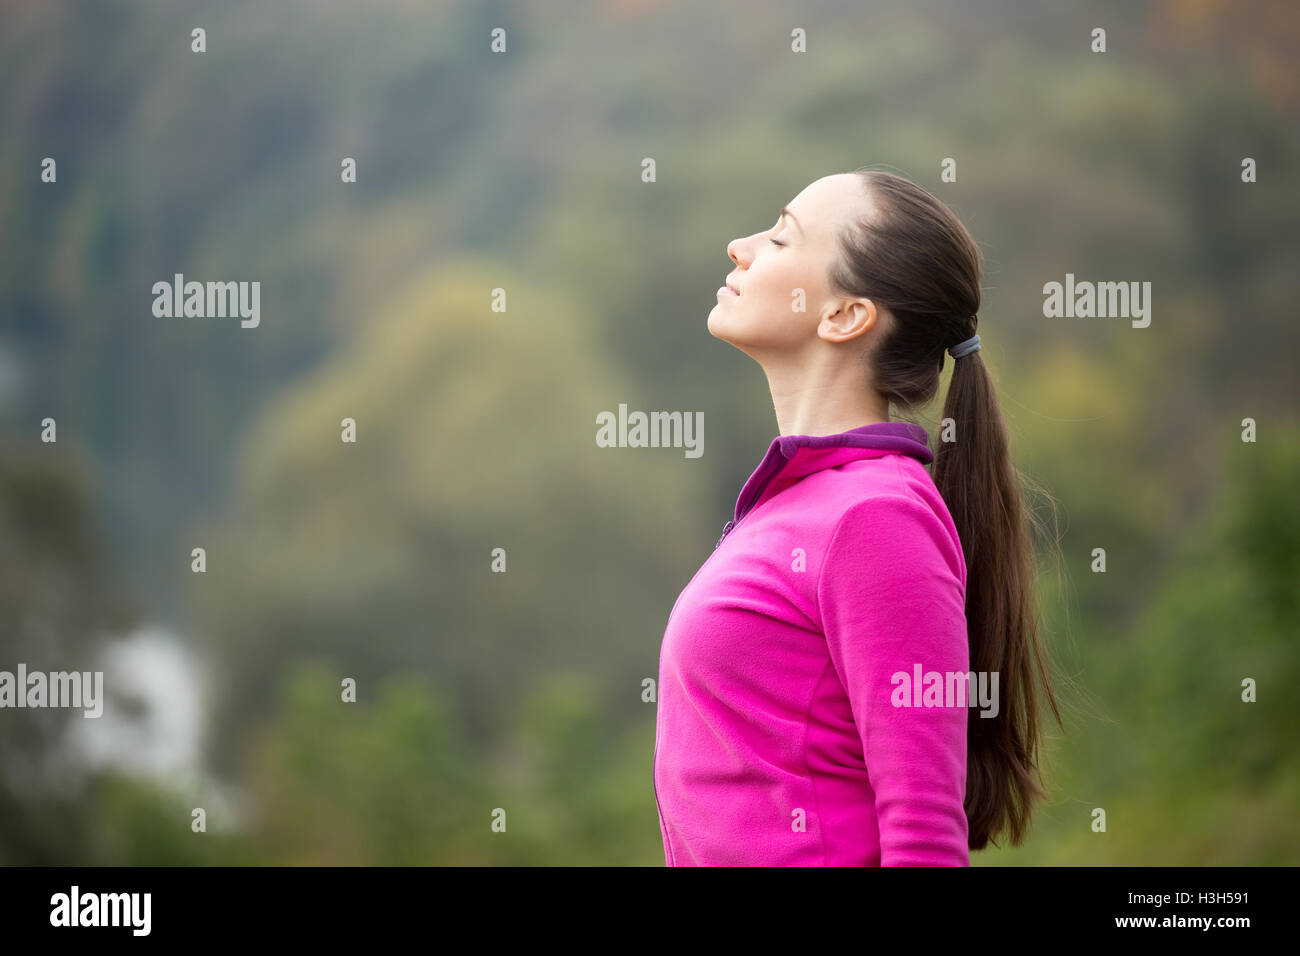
[(726, 529)]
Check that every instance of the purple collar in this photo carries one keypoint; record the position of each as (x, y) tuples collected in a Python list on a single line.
[(794, 456)]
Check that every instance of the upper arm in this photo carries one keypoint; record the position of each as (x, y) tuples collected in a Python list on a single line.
[(890, 602)]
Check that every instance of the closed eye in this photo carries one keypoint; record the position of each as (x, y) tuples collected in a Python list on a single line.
[(776, 242)]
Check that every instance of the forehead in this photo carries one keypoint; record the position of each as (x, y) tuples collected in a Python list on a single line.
[(827, 203)]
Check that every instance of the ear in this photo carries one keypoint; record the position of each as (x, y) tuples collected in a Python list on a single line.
[(851, 318)]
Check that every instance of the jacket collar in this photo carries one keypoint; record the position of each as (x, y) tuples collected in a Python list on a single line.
[(791, 457)]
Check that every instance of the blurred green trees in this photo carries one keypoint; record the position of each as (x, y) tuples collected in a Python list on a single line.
[(476, 430), (59, 594), (1187, 772)]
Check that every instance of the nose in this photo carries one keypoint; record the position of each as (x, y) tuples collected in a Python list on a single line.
[(733, 247)]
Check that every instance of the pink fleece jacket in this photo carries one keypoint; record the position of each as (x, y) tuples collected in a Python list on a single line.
[(780, 739)]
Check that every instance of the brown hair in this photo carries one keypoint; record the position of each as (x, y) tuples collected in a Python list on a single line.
[(912, 256)]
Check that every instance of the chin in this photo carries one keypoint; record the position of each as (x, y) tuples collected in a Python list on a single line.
[(720, 326)]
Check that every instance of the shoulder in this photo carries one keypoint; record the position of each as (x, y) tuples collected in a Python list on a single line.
[(899, 528), (892, 521), (894, 488)]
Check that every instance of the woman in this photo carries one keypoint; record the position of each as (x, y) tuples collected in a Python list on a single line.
[(808, 711)]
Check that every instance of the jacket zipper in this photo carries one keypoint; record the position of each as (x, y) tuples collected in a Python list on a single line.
[(744, 507), (654, 761), (654, 777)]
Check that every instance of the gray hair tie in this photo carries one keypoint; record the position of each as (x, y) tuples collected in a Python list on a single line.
[(972, 344)]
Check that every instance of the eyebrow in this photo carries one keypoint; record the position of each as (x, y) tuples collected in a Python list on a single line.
[(785, 211)]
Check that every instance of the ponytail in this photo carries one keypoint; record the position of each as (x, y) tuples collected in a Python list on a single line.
[(980, 486)]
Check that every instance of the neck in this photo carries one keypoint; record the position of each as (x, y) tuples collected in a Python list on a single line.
[(823, 392)]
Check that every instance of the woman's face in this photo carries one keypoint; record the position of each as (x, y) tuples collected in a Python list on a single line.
[(785, 298)]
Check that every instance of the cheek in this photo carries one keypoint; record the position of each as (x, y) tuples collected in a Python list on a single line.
[(780, 283)]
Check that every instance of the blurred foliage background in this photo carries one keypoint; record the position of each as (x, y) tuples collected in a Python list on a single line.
[(524, 691)]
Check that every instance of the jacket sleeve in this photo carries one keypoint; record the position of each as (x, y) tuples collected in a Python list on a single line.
[(891, 597)]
